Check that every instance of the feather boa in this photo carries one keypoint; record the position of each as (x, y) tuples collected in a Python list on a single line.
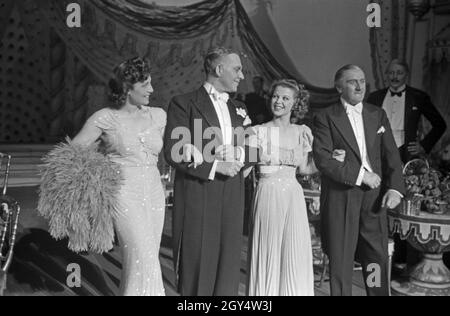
[(78, 195)]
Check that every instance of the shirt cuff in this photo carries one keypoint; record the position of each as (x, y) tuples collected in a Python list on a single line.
[(401, 195), (360, 178), (212, 173), (242, 155)]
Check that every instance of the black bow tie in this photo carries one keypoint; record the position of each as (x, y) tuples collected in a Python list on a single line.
[(398, 94)]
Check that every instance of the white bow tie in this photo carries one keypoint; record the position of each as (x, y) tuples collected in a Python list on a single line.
[(355, 108), (220, 96)]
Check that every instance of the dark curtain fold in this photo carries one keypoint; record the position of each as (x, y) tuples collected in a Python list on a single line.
[(167, 22)]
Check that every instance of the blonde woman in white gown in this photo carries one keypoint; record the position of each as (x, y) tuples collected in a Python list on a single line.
[(281, 262)]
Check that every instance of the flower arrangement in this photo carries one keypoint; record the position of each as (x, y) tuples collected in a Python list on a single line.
[(427, 186)]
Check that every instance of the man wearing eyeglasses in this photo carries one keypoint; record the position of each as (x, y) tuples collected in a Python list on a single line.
[(404, 107)]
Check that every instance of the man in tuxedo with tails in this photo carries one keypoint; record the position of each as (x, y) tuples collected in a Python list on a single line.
[(209, 198), (356, 191), (404, 107)]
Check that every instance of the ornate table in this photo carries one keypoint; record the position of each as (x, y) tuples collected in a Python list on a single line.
[(429, 234)]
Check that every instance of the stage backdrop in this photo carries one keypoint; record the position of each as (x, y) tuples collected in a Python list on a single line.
[(53, 77), (24, 73), (174, 39)]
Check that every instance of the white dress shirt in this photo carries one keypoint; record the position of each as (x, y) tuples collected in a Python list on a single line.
[(395, 111), (220, 101), (354, 113)]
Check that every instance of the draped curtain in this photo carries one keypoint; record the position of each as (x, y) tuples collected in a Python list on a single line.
[(389, 41), (174, 39)]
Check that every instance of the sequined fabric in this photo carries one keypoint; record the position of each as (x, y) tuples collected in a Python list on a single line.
[(134, 141)]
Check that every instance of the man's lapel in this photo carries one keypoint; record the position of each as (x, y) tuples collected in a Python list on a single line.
[(232, 108), (203, 103), (206, 108), (370, 119), (236, 121), (408, 107), (382, 96), (342, 123)]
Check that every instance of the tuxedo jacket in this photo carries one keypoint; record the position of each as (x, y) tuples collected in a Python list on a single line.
[(207, 215), (417, 103), (353, 220), (332, 130)]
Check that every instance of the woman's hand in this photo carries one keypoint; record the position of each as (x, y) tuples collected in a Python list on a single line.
[(193, 155), (339, 155)]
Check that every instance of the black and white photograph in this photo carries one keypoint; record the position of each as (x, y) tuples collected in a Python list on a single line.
[(232, 150)]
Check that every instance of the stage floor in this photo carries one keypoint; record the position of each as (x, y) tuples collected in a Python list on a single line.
[(40, 263)]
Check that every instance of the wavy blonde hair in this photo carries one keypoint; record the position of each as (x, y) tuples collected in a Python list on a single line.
[(301, 95)]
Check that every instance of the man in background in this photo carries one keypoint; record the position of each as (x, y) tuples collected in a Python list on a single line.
[(257, 103), (404, 107)]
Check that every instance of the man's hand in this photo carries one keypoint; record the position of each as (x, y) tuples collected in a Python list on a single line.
[(227, 153), (193, 155), (372, 180), (391, 200), (415, 149), (229, 169)]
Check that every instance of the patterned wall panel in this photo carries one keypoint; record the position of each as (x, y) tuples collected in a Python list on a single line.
[(24, 75)]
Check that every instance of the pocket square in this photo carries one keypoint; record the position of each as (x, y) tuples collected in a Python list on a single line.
[(415, 108), (382, 130)]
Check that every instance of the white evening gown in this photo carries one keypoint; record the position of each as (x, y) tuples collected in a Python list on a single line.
[(281, 261)]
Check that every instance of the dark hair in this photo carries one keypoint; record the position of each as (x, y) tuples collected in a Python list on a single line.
[(213, 56), (399, 62), (259, 78), (300, 94), (126, 75), (341, 71)]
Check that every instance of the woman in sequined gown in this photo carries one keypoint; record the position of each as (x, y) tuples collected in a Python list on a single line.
[(281, 262), (132, 133)]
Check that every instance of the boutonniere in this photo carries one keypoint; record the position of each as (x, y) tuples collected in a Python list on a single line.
[(382, 130), (247, 121), (241, 112)]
